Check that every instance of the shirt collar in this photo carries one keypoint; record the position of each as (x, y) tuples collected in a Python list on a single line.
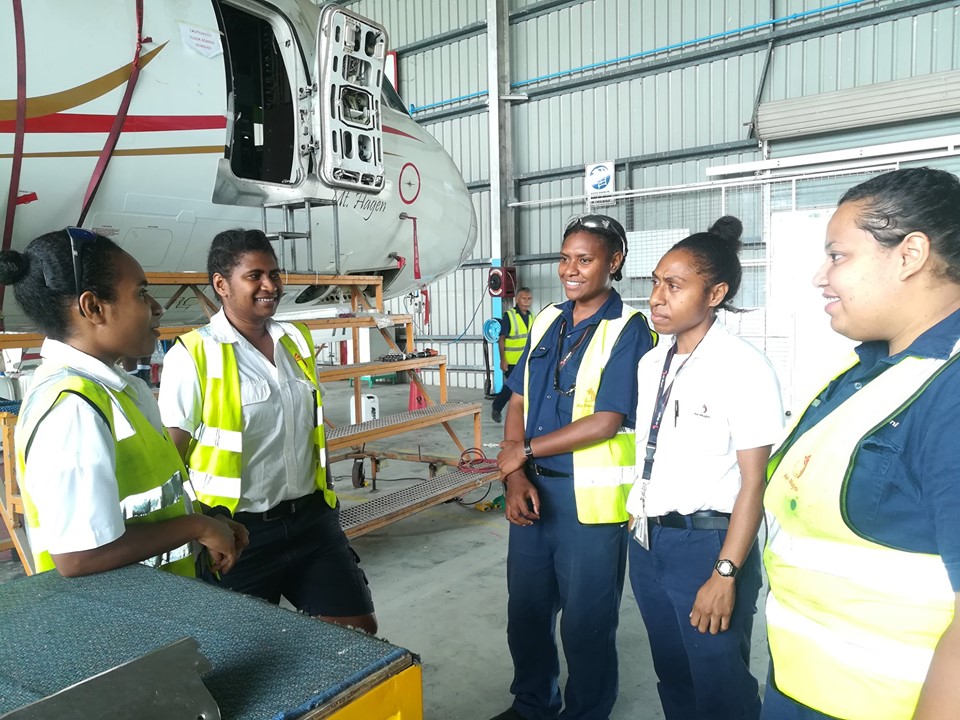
[(59, 354), (611, 309), (936, 342), (223, 331)]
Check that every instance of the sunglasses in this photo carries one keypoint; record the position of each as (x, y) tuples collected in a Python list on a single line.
[(600, 223), (79, 239)]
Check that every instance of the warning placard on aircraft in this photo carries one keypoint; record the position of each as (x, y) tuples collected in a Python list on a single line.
[(598, 183)]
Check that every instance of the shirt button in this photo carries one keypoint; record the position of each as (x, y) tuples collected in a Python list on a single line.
[(540, 428), (857, 386), (549, 397)]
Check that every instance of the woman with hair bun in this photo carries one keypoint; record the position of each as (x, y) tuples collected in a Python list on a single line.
[(708, 412), (102, 482)]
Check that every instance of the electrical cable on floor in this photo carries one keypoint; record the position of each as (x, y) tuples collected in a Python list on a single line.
[(473, 460)]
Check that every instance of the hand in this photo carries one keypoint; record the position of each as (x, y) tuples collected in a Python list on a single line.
[(512, 457), (503, 364), (714, 604), (241, 538), (220, 541), (523, 501)]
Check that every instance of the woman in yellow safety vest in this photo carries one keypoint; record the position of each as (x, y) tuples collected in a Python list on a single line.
[(241, 400), (862, 499), (567, 457), (102, 482)]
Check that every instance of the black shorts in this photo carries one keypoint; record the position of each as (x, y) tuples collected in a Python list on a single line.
[(306, 558)]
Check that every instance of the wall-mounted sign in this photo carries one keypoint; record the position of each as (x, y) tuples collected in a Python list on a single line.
[(598, 182)]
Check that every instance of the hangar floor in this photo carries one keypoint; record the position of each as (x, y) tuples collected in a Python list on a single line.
[(438, 581)]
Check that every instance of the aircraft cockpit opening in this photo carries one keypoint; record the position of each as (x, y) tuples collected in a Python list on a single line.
[(259, 87)]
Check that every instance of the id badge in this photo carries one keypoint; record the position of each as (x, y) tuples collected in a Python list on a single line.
[(641, 531)]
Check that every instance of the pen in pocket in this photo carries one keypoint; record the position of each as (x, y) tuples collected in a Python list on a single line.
[(676, 411)]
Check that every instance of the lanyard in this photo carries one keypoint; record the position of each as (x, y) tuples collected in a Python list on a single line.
[(663, 397), (562, 361)]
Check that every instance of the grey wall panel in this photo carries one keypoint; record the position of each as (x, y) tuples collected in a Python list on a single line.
[(444, 73), (465, 139), (923, 44), (691, 107)]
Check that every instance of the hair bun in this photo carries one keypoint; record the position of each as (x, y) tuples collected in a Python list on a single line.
[(13, 267), (728, 227)]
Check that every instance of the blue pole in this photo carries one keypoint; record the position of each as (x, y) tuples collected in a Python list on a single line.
[(497, 310)]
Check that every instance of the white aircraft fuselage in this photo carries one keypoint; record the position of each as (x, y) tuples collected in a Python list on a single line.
[(223, 119)]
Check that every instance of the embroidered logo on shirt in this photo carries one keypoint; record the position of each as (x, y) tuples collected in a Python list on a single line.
[(703, 412)]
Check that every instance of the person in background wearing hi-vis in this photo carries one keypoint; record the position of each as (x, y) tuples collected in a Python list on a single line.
[(514, 331), (103, 485), (709, 411), (863, 497), (241, 400)]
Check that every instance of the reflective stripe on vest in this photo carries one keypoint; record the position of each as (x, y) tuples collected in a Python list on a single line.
[(150, 473), (852, 624), (603, 473), (516, 340), (214, 454)]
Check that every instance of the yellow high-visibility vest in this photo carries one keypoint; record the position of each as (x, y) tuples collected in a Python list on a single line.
[(150, 473), (214, 454), (852, 623), (516, 339), (603, 473)]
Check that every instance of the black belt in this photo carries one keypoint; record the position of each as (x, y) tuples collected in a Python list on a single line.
[(284, 508), (701, 520), (547, 472)]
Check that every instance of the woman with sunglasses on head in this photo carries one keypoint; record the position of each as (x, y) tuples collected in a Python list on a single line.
[(709, 411), (102, 482), (241, 400), (862, 499), (567, 458)]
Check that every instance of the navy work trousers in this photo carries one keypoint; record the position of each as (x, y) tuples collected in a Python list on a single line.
[(701, 676), (777, 706), (559, 565), (503, 397)]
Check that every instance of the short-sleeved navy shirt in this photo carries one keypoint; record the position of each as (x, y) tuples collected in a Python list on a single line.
[(550, 410), (904, 490)]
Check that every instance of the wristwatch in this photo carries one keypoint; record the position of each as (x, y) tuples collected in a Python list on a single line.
[(726, 568), (527, 450)]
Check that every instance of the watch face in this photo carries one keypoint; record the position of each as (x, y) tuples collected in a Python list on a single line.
[(725, 568)]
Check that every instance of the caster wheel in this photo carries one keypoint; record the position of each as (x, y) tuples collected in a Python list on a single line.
[(358, 476)]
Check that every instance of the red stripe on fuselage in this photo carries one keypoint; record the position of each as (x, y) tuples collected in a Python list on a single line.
[(80, 123), (394, 131)]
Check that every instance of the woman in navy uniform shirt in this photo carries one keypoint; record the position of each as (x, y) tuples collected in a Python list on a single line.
[(567, 458)]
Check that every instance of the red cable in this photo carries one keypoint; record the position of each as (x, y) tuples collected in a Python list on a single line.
[(19, 130), (114, 136)]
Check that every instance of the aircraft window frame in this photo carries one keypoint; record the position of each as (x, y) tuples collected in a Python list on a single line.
[(297, 73), (392, 98)]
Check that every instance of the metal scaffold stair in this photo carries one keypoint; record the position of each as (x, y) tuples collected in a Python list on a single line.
[(288, 237)]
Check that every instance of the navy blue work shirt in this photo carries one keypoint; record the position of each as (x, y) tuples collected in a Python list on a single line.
[(550, 410), (904, 490)]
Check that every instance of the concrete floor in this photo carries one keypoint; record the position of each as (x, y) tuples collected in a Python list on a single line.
[(438, 581)]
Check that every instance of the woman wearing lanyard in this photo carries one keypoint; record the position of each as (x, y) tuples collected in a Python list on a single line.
[(102, 482), (862, 500), (709, 410), (567, 456), (241, 400)]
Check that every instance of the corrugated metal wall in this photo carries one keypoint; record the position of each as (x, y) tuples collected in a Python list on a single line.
[(679, 100)]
